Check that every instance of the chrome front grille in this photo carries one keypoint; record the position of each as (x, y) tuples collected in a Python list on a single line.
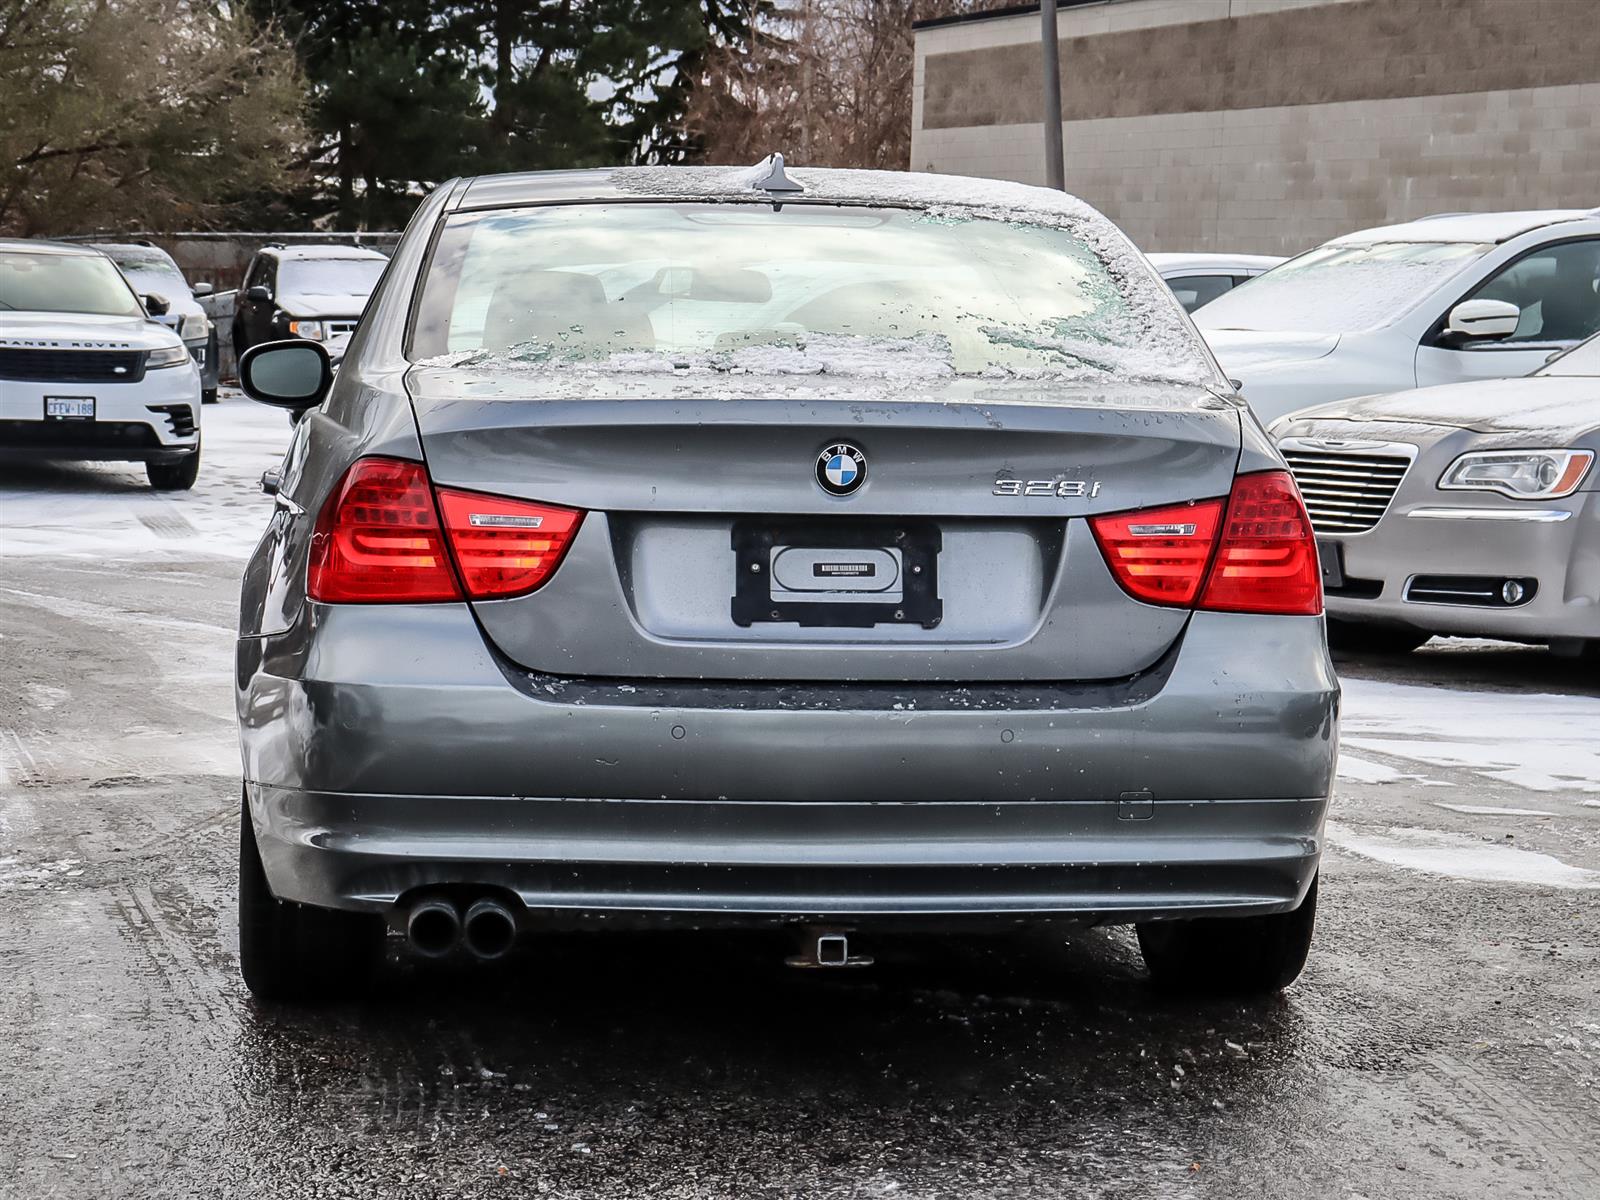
[(1347, 487), (341, 326)]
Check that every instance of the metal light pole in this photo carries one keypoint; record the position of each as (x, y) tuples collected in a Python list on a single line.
[(1055, 172)]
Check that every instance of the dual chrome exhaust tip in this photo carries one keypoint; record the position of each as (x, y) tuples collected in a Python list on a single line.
[(436, 927)]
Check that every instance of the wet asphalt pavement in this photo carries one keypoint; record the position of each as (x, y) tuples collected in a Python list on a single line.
[(1444, 1041)]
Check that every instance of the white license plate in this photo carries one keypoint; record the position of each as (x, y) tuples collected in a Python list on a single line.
[(69, 408)]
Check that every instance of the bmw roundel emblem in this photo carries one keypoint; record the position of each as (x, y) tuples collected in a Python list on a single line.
[(841, 469)]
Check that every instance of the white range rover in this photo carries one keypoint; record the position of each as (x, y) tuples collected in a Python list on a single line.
[(86, 373)]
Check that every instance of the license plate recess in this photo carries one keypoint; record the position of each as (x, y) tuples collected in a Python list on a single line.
[(860, 573)]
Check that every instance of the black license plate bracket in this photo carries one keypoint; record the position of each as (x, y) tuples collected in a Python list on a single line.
[(913, 544), (1331, 557)]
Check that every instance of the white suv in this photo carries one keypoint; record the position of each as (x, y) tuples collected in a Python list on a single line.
[(86, 373), (1446, 299)]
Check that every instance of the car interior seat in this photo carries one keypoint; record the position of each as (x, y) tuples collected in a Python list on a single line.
[(563, 308)]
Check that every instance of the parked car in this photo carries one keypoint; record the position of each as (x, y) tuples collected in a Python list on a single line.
[(151, 271), (314, 292), (1448, 299), (1471, 509), (1198, 279), (88, 371), (685, 545)]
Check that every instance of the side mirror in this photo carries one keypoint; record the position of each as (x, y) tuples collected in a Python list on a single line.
[(155, 305), (1478, 320), (293, 374), (258, 293), (202, 289)]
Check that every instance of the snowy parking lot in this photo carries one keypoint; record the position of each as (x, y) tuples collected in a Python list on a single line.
[(1445, 1040)]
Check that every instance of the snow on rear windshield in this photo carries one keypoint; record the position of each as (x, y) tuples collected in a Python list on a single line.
[(1339, 289), (813, 289)]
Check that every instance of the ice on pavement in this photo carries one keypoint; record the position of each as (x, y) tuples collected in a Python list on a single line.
[(107, 511), (1542, 743), (1461, 856), (1490, 810), (1360, 770)]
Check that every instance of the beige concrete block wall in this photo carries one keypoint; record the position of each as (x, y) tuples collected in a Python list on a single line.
[(1278, 179)]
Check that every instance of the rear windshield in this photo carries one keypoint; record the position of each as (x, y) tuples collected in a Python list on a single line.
[(808, 289), (68, 283), (1582, 359), (1340, 289), (330, 276)]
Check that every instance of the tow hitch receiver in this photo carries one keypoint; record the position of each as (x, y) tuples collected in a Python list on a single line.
[(826, 948)]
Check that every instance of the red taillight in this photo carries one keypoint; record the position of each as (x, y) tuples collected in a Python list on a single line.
[(378, 539), (1267, 562), (505, 547), (1260, 557), (1160, 555)]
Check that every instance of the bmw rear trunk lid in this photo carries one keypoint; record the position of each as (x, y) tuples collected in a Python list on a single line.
[(822, 529)]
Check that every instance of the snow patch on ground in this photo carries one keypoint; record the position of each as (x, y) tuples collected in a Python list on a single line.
[(1360, 770), (1490, 810), (107, 511), (1542, 743), (1460, 856), (31, 876)]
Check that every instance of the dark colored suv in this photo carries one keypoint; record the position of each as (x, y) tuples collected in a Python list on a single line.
[(314, 292)]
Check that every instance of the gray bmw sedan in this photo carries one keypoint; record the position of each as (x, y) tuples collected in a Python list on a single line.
[(826, 550)]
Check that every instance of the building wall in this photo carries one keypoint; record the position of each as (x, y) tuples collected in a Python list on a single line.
[(1271, 125)]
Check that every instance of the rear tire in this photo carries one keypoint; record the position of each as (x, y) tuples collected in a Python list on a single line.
[(208, 395), (1230, 955), (1374, 639), (174, 476), (293, 952)]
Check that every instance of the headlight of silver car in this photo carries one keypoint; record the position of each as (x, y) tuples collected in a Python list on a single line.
[(193, 327), (308, 329), (167, 356), (1520, 474)]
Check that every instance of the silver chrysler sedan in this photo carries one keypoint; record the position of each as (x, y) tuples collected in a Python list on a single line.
[(832, 551), (1471, 509)]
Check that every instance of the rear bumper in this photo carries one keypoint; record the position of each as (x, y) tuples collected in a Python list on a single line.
[(387, 750), (710, 861), (1556, 543)]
